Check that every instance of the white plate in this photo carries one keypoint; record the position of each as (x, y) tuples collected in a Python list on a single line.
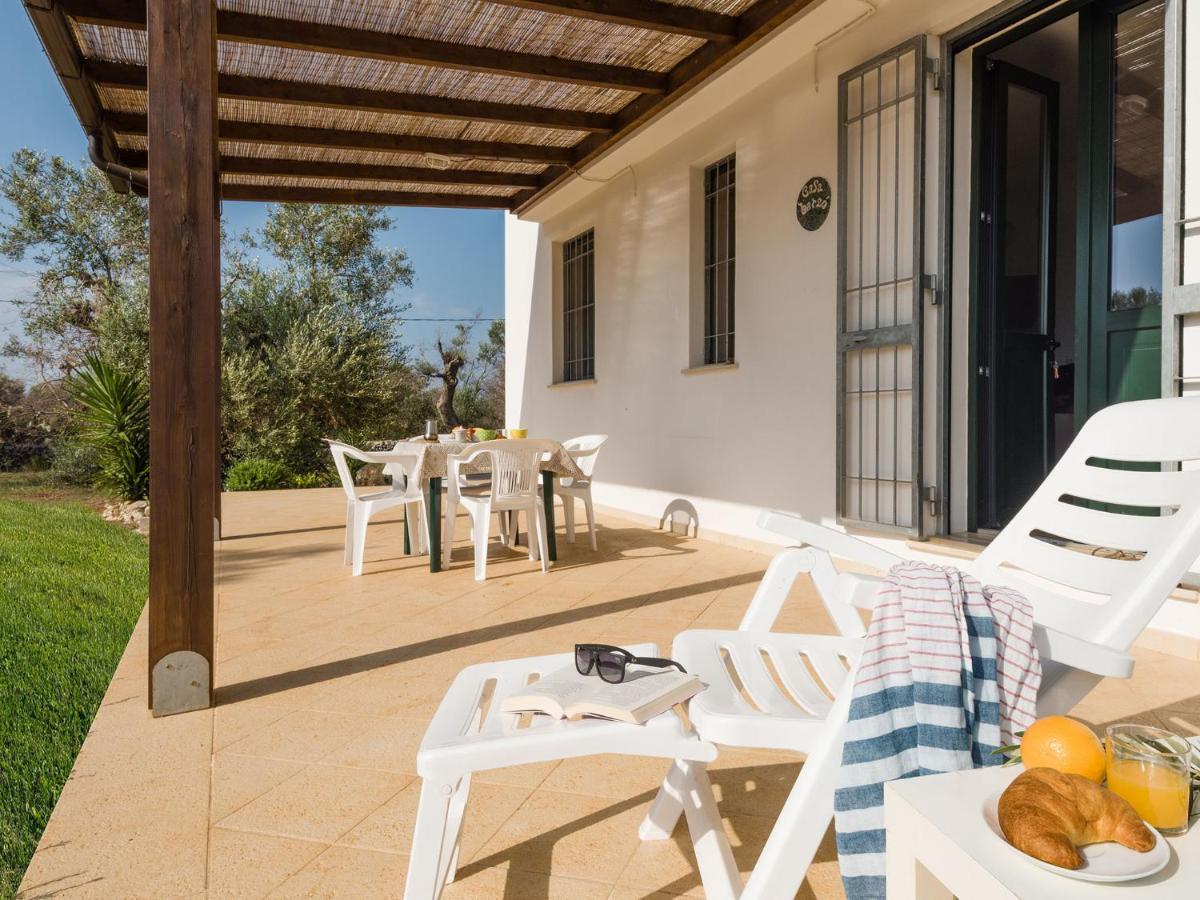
[(1101, 862)]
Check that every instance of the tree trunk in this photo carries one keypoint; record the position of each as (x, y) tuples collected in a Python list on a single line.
[(452, 363), (445, 404)]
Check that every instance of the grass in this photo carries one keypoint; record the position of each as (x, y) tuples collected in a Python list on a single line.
[(71, 589), (45, 485)]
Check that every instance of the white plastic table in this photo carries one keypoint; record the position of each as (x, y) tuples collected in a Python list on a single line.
[(938, 847), (431, 467)]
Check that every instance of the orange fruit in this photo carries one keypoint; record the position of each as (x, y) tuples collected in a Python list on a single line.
[(1063, 744)]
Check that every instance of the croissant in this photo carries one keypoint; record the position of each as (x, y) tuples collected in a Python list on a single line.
[(1048, 814)]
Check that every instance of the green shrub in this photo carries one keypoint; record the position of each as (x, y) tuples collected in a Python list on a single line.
[(114, 418), (74, 462), (312, 480), (257, 475)]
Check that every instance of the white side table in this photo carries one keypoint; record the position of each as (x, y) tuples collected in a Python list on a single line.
[(939, 847)]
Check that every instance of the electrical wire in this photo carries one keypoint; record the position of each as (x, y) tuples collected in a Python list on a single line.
[(612, 177)]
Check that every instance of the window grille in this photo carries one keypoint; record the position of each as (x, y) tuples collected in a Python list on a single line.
[(579, 307), (719, 260)]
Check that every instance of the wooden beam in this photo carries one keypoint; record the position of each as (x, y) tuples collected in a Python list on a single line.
[(281, 194), (333, 96), (647, 14), (185, 377), (59, 43), (335, 138), (302, 35), (318, 168), (754, 24)]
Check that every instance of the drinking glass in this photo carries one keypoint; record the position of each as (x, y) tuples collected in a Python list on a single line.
[(1149, 768)]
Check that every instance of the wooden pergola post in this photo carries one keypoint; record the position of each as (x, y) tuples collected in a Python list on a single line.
[(184, 357)]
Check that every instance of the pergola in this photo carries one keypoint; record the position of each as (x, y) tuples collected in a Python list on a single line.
[(451, 103)]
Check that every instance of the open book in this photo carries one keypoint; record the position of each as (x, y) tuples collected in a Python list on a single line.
[(643, 694)]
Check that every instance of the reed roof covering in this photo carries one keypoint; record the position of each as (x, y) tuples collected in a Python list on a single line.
[(433, 102)]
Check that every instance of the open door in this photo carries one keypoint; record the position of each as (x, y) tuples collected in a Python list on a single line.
[(1122, 204), (1016, 364), (1067, 237), (881, 182)]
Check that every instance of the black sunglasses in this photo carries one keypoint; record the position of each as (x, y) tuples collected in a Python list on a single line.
[(610, 662)]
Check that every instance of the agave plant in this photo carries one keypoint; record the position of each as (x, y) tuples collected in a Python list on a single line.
[(114, 414)]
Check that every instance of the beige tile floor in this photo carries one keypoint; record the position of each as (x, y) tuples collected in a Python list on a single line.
[(301, 782)]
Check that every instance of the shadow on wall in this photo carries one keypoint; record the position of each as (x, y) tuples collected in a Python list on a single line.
[(680, 517)]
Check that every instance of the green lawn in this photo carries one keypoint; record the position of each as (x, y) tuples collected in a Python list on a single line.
[(71, 588)]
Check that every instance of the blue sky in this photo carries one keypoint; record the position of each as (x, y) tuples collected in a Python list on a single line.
[(458, 255)]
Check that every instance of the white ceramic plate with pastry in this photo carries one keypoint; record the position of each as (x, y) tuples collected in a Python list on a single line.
[(1108, 861)]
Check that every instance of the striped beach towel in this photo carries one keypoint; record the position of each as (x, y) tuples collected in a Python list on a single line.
[(950, 672)]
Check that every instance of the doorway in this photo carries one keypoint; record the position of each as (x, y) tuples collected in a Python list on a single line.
[(1067, 155)]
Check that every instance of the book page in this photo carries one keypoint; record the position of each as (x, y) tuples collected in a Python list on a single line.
[(576, 694), (640, 687), (564, 687)]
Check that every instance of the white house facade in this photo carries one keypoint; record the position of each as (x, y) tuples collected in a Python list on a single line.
[(877, 271)]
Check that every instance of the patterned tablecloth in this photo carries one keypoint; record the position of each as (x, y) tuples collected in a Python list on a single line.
[(431, 458)]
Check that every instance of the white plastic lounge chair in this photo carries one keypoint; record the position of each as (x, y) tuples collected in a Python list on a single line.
[(513, 487), (1089, 608), (360, 508), (584, 450)]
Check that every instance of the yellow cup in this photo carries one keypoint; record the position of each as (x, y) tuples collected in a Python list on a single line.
[(518, 433)]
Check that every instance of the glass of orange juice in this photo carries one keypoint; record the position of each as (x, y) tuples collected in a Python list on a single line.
[(1149, 767)]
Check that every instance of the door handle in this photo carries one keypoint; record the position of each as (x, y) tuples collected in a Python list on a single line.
[(1051, 346)]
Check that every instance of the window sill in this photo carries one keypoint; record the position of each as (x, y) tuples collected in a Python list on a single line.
[(581, 382), (710, 368)]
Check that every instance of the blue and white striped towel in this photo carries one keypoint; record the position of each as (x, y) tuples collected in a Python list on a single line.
[(950, 672)]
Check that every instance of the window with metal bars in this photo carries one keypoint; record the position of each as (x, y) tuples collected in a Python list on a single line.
[(719, 260), (579, 307)]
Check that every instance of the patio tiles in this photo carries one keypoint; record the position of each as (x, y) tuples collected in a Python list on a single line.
[(239, 780), (347, 872), (575, 835), (391, 825), (301, 782), (303, 735), (386, 744), (611, 777), (124, 834), (318, 803), (489, 884), (251, 865)]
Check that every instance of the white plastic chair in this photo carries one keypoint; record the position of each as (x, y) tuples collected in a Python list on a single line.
[(1088, 608), (360, 508), (516, 473), (584, 451)]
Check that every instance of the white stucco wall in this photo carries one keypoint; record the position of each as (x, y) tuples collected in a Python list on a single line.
[(728, 442)]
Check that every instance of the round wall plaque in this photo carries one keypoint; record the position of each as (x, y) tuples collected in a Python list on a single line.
[(812, 206)]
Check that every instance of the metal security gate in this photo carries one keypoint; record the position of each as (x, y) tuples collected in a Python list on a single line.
[(881, 179)]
